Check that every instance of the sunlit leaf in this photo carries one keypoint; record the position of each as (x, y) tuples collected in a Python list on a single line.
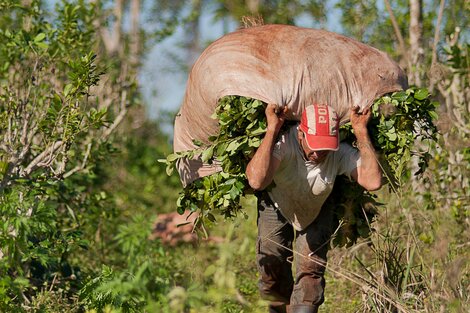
[(421, 94), (39, 37), (207, 154)]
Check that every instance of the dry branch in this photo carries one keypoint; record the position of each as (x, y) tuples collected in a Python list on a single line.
[(436, 35), (45, 158), (396, 28)]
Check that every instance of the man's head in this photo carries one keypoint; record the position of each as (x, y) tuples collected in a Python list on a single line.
[(318, 131)]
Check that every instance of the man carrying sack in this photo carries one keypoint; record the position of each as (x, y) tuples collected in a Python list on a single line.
[(293, 173)]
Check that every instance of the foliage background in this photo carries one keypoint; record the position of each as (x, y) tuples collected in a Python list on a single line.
[(81, 186)]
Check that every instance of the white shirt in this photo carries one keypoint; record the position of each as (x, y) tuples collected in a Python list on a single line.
[(301, 186)]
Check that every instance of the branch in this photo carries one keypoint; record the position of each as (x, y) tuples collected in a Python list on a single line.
[(436, 41), (396, 28), (81, 166), (119, 118), (437, 32), (134, 36), (4, 147), (117, 27), (111, 40), (9, 135), (40, 160), (416, 51), (60, 168), (24, 131)]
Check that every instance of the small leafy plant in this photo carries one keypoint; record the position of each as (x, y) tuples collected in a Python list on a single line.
[(399, 119)]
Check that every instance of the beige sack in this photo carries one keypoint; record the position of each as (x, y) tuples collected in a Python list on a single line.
[(287, 65)]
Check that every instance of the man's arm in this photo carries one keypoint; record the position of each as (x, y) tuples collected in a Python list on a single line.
[(368, 174), (260, 170)]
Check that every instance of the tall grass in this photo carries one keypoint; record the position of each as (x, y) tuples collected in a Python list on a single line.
[(413, 262)]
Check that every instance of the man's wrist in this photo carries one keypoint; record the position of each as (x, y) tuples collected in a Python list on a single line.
[(360, 131), (273, 129), (271, 132), (363, 145)]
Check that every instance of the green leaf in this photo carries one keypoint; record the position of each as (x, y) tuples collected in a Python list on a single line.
[(22, 281), (212, 138), (254, 142), (67, 89), (173, 157), (207, 154), (400, 96), (169, 169), (433, 115), (421, 94), (42, 45), (211, 217), (197, 143), (234, 192), (233, 146), (39, 37), (3, 167), (165, 161), (258, 131)]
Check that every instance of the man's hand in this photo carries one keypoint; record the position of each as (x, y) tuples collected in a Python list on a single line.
[(275, 117), (368, 174), (359, 120)]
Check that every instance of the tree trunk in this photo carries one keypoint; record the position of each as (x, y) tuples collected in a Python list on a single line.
[(134, 40), (253, 6), (192, 35), (111, 40), (416, 44), (405, 61)]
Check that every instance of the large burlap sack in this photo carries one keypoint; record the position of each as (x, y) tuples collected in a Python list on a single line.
[(286, 65)]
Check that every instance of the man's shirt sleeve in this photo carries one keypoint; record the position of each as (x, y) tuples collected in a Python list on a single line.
[(349, 159)]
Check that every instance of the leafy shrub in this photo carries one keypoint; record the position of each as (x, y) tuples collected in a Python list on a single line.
[(48, 124)]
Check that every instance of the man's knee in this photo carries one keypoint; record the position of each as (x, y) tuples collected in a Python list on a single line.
[(312, 265), (276, 281), (309, 283)]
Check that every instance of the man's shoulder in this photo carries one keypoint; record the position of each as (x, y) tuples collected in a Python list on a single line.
[(345, 147), (347, 153), (288, 132), (344, 151), (289, 127)]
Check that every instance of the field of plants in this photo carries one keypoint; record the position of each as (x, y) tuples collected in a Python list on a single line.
[(81, 187)]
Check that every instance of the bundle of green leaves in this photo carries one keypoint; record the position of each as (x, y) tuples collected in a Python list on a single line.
[(399, 120), (242, 124)]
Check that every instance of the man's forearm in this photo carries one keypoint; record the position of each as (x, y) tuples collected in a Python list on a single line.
[(369, 173), (258, 170)]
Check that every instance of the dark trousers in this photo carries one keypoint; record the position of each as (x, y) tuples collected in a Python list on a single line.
[(276, 240)]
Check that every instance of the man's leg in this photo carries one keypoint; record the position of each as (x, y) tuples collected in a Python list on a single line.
[(311, 247), (275, 234)]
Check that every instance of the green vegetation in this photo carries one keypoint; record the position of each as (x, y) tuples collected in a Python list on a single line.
[(242, 124), (400, 121), (80, 186)]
